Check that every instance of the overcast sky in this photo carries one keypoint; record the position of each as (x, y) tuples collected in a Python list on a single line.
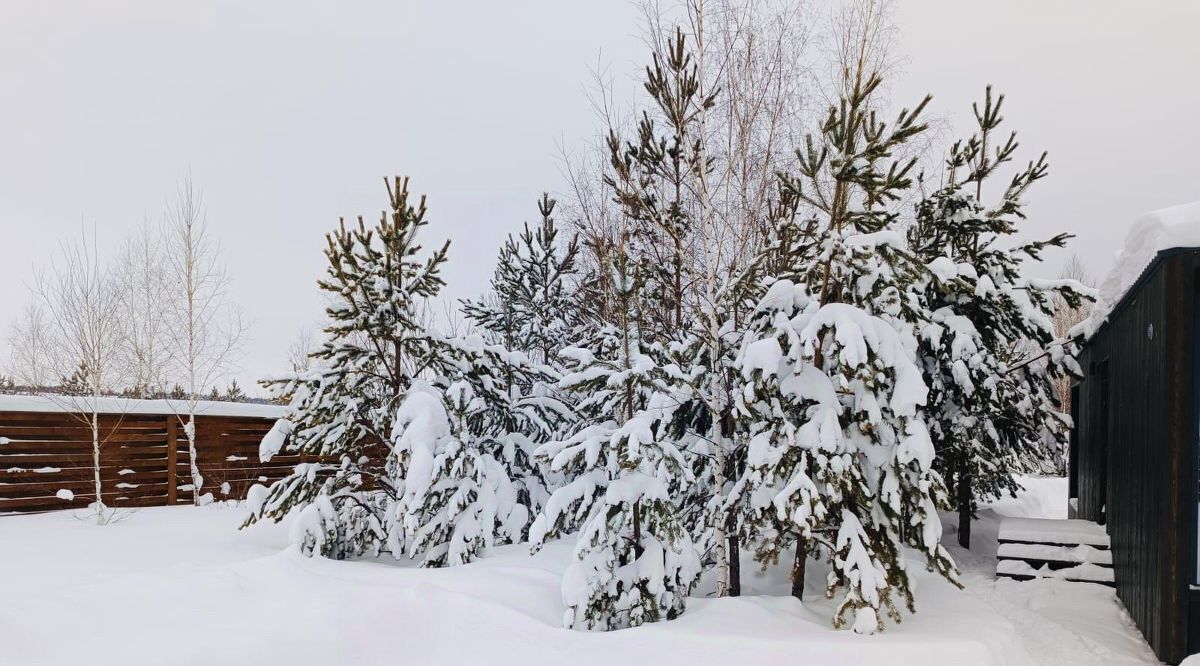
[(289, 113)]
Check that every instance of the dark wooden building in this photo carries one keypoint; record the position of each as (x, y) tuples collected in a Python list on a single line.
[(1134, 449)]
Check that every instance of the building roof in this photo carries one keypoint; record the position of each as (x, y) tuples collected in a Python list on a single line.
[(1153, 235)]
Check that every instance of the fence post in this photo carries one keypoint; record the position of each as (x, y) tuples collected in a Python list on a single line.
[(172, 459)]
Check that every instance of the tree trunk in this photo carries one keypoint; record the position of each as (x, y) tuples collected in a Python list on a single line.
[(637, 529), (100, 517), (964, 509), (197, 479), (723, 555), (735, 566), (798, 568)]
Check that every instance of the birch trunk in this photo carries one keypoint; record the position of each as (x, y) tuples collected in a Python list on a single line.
[(95, 423)]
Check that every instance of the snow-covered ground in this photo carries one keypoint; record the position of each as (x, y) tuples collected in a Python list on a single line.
[(179, 585)]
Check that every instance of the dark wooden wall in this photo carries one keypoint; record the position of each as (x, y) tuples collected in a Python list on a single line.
[(1136, 447), (144, 459)]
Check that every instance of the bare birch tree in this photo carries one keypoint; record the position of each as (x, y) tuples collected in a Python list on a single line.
[(82, 305), (29, 342), (142, 279), (206, 331), (1065, 318), (299, 352)]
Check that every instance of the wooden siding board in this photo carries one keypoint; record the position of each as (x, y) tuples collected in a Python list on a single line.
[(1176, 367), (1147, 494)]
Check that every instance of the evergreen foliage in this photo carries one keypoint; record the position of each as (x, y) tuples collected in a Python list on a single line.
[(801, 391), (651, 177), (342, 414), (634, 561), (77, 383), (989, 351), (532, 309), (457, 497), (409, 435), (840, 460), (695, 283), (532, 305)]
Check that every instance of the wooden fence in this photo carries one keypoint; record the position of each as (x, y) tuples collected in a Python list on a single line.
[(144, 459)]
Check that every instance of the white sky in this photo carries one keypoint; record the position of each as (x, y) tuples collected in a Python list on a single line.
[(289, 113)]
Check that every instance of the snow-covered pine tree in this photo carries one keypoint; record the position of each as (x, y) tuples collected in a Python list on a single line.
[(840, 461), (634, 561), (408, 433), (481, 487), (74, 384), (531, 312), (533, 308), (342, 414), (698, 272), (653, 179), (458, 497), (989, 353)]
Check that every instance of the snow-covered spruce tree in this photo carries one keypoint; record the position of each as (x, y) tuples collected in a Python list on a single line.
[(634, 561), (840, 461), (342, 414), (990, 412)]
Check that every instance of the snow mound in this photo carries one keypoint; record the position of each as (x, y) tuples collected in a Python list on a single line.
[(1152, 233)]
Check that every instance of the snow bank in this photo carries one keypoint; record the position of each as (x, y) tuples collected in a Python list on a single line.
[(115, 405), (168, 579), (172, 578), (1151, 233)]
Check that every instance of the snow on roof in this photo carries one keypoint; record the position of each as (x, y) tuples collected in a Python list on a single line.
[(1151, 233), (116, 405)]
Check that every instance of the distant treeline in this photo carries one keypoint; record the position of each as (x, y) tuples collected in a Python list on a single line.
[(74, 386)]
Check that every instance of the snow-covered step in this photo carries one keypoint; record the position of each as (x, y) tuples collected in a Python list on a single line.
[(1083, 573), (1063, 555), (1075, 550), (1071, 532)]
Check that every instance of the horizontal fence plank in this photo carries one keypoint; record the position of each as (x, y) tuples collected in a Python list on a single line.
[(86, 474), (80, 488), (145, 459)]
